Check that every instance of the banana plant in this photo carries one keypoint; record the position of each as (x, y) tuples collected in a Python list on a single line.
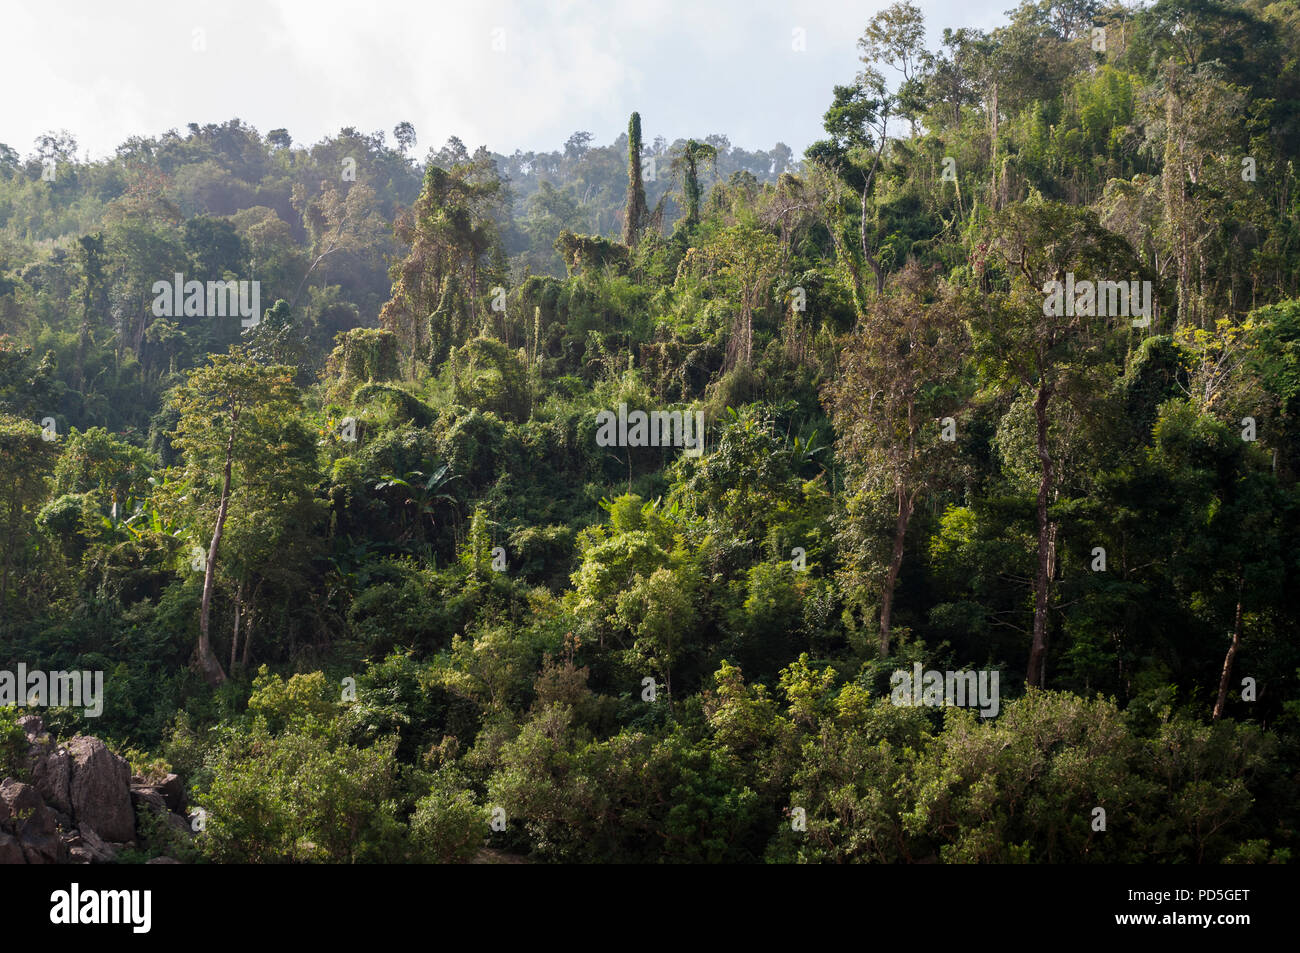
[(425, 492)]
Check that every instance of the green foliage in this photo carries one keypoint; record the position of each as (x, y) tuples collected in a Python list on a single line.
[(299, 798), (365, 355), (448, 826), (491, 379), (13, 744), (302, 704), (386, 504), (588, 252)]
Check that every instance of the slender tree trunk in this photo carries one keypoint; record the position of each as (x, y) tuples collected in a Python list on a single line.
[(905, 505), (859, 293), (250, 614), (993, 141), (1043, 577), (1173, 181), (668, 668), (866, 250), (1231, 657), (234, 639), (207, 659), (473, 292), (11, 543), (862, 232)]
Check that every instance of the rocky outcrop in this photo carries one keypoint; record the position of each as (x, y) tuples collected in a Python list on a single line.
[(87, 847), (30, 824), (153, 800), (53, 778), (51, 766), (101, 790), (81, 804), (11, 849), (173, 792)]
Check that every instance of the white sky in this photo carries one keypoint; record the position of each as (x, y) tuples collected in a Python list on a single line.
[(108, 69)]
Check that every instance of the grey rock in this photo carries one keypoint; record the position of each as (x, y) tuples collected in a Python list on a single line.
[(52, 777), (101, 852), (150, 797), (23, 815), (100, 790), (11, 850), (32, 726), (174, 792)]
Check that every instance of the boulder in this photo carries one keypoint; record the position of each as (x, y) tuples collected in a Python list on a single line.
[(148, 796), (11, 850), (52, 777), (32, 726), (49, 767), (93, 844), (153, 800), (87, 847), (24, 816), (162, 860), (100, 790), (173, 791)]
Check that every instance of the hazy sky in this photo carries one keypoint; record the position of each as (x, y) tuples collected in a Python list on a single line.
[(108, 69)]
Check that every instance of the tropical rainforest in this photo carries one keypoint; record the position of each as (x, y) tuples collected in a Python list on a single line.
[(362, 575)]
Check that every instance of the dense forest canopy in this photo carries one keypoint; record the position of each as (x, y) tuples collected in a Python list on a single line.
[(1001, 375)]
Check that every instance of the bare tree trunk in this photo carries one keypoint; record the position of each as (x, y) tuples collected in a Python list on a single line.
[(866, 187), (866, 251), (248, 628), (668, 668), (234, 639), (473, 292), (1043, 578), (905, 505), (993, 140), (1173, 181), (1231, 657), (207, 659)]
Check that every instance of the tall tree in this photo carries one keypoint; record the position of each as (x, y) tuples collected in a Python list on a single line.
[(453, 238), (747, 258), (1228, 532), (231, 414), (896, 36), (687, 165), (26, 458), (404, 133), (94, 296), (898, 378), (636, 213), (858, 124), (336, 220), (1021, 344)]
